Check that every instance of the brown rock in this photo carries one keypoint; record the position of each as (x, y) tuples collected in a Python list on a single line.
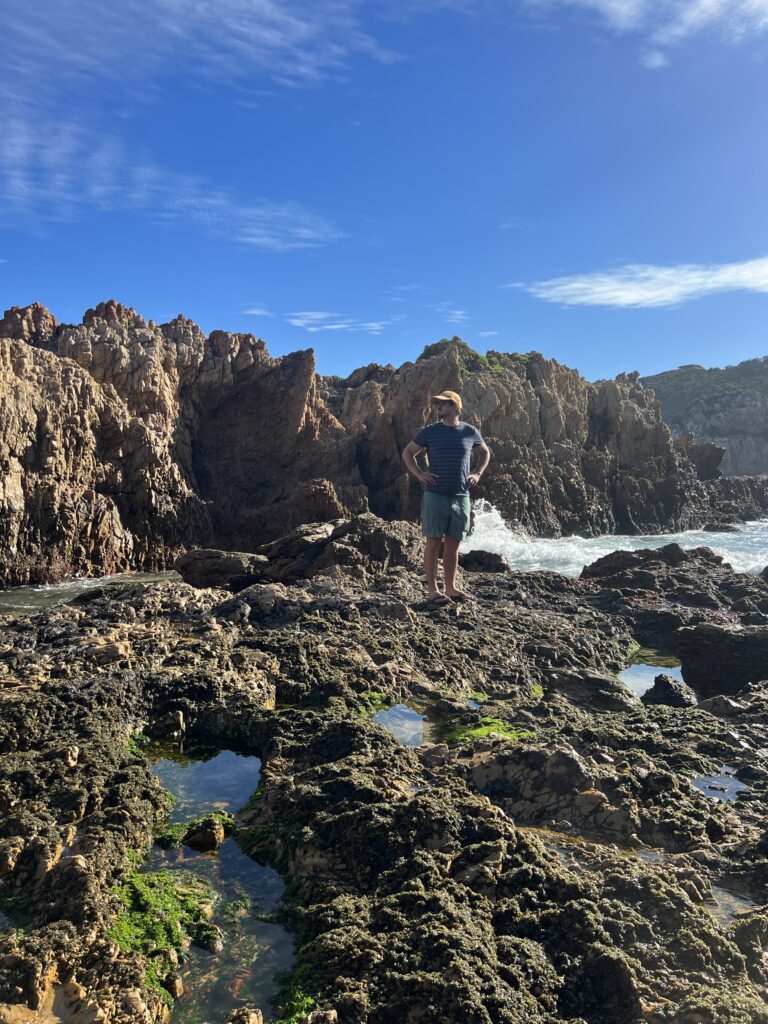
[(721, 659), (669, 691), (590, 800), (245, 1015), (483, 561), (210, 567), (565, 771), (126, 443), (205, 835)]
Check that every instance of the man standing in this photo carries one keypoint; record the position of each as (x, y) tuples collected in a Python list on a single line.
[(446, 482)]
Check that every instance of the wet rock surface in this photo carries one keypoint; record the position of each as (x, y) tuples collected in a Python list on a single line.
[(549, 856), (667, 690)]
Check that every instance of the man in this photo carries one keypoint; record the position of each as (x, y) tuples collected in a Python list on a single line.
[(445, 505)]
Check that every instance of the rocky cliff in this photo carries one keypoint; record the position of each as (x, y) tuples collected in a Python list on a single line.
[(123, 442), (727, 407)]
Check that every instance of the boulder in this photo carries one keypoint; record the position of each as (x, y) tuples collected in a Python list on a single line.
[(245, 1015), (365, 542), (720, 659), (483, 561), (667, 556), (722, 706), (205, 835), (228, 570), (565, 772), (595, 690), (669, 691)]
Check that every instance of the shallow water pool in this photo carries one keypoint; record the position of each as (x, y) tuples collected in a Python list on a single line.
[(645, 666), (255, 952)]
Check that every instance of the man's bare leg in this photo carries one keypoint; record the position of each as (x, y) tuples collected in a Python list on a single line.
[(450, 564), (431, 551)]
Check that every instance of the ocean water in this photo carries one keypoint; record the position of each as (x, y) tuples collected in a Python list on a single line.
[(746, 551), (28, 600)]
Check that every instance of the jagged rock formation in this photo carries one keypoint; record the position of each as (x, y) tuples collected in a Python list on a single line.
[(124, 442), (727, 407)]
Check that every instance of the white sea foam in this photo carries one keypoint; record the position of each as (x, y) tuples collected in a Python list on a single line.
[(747, 550)]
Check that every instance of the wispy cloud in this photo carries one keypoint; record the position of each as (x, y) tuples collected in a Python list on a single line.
[(257, 311), (510, 224), (106, 60), (290, 41), (399, 292), (487, 334), (450, 314), (57, 170), (665, 23), (643, 285), (320, 320)]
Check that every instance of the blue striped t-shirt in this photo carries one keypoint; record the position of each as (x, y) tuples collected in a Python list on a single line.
[(449, 450)]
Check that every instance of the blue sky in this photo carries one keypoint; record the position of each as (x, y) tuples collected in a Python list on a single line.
[(582, 177)]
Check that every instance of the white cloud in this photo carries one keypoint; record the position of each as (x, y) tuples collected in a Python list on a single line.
[(510, 224), (450, 314), (643, 285), (665, 23), (93, 60), (487, 334), (290, 41), (654, 59), (319, 320), (56, 170), (257, 311)]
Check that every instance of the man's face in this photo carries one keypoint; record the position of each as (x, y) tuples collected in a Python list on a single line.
[(445, 409)]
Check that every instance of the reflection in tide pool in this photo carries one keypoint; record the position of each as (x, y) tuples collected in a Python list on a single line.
[(255, 952), (723, 786), (727, 905), (405, 723), (646, 665)]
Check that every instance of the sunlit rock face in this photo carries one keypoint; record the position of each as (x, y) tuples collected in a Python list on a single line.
[(124, 442), (569, 456)]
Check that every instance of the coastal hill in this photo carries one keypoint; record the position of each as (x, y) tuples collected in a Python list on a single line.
[(727, 406), (124, 442)]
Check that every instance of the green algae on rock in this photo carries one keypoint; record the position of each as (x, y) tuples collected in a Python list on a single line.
[(161, 912), (418, 889)]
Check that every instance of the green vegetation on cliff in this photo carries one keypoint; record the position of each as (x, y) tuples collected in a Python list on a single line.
[(472, 361), (678, 389)]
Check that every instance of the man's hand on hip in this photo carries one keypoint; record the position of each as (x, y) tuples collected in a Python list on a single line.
[(429, 479), (473, 479)]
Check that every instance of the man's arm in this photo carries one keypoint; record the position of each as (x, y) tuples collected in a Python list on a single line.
[(484, 457), (410, 452)]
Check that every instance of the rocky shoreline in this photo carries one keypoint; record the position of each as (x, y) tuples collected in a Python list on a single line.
[(124, 442), (552, 854)]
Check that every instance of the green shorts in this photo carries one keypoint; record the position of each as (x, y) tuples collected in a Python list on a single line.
[(445, 515)]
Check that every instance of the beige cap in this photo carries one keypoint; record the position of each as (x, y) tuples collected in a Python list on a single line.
[(448, 396)]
